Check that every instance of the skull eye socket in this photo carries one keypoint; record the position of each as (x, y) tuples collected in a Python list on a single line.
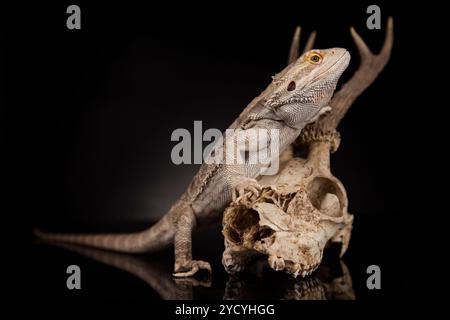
[(291, 86), (325, 195)]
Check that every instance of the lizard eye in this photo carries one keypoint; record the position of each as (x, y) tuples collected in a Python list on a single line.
[(291, 86), (315, 58)]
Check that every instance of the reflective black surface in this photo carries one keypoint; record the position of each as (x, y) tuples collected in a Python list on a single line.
[(108, 275)]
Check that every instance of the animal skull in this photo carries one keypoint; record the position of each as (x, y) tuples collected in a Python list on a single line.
[(291, 221)]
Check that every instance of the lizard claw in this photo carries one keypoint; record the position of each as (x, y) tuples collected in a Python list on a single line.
[(245, 185), (188, 268)]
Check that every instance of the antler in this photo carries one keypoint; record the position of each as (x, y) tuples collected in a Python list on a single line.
[(295, 44), (370, 66)]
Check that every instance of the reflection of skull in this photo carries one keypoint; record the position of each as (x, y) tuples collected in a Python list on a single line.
[(330, 282), (293, 218)]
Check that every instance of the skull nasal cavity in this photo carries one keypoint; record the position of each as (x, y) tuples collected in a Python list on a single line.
[(325, 196)]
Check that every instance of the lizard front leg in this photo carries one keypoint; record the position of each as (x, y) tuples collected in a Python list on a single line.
[(184, 265)]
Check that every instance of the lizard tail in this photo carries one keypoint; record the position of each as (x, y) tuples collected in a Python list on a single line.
[(157, 237)]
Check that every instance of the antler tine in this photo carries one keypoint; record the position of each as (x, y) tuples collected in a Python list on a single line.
[(295, 45), (370, 66), (389, 39), (310, 43)]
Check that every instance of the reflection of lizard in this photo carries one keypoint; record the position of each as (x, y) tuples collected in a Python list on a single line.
[(153, 273), (297, 96)]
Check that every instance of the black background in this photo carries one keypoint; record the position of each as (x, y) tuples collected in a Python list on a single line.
[(90, 113)]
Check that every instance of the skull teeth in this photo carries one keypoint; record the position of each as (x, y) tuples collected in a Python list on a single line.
[(305, 272)]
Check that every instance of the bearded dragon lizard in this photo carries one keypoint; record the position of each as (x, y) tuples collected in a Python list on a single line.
[(297, 96)]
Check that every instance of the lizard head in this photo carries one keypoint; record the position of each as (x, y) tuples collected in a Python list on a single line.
[(304, 88)]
